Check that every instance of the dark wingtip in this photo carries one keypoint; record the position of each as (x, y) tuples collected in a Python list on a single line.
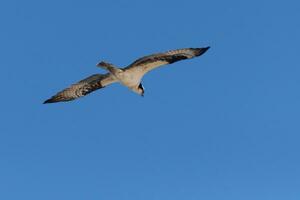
[(49, 101), (206, 48), (58, 98), (54, 99), (202, 50)]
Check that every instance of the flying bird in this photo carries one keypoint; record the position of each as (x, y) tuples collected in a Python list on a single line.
[(130, 76)]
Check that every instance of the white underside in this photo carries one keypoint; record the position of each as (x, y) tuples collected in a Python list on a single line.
[(129, 79)]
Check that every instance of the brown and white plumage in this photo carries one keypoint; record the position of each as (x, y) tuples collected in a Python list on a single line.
[(129, 76), (153, 61), (83, 88)]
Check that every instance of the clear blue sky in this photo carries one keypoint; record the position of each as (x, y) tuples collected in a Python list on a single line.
[(221, 126)]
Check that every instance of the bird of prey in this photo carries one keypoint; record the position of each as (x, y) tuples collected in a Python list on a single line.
[(129, 76)]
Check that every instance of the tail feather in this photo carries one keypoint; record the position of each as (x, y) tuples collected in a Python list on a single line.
[(109, 67), (105, 65)]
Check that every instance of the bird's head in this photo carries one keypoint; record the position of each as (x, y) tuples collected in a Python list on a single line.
[(141, 90)]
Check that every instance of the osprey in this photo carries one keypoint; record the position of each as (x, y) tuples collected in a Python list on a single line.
[(129, 76)]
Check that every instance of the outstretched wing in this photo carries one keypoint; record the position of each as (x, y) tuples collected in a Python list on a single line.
[(82, 88), (150, 62)]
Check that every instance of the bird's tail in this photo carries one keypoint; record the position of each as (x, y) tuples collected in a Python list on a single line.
[(109, 67), (105, 65)]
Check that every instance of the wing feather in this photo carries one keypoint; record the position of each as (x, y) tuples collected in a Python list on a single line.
[(82, 88), (153, 61)]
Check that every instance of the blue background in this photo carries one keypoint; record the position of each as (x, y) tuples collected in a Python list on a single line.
[(221, 126)]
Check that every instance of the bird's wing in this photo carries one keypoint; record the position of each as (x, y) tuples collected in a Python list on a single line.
[(83, 88), (153, 61)]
